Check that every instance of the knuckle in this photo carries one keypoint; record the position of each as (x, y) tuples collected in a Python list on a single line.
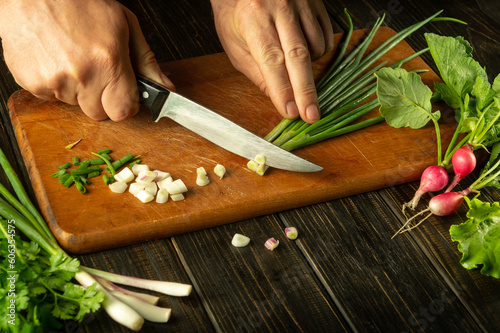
[(299, 53), (273, 56)]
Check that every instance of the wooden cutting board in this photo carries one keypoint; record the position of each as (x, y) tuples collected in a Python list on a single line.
[(370, 159)]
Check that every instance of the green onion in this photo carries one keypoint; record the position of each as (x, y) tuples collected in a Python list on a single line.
[(59, 173), (76, 160), (85, 171), (104, 151), (344, 90), (97, 161), (93, 174), (119, 163), (84, 164), (66, 165)]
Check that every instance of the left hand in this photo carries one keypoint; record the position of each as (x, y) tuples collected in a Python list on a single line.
[(273, 43)]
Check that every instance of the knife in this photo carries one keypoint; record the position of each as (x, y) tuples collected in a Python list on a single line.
[(215, 128)]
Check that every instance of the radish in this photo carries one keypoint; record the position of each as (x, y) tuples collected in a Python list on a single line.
[(443, 204), (434, 178), (464, 162)]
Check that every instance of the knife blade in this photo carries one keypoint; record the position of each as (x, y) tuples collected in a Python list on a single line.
[(215, 128)]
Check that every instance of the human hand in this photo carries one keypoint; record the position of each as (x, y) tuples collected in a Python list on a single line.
[(79, 52), (273, 43)]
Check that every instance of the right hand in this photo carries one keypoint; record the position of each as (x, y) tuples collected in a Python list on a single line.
[(79, 52)]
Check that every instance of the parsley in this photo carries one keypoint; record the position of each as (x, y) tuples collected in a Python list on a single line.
[(36, 287)]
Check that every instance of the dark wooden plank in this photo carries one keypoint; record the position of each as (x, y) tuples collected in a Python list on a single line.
[(479, 293), (252, 289), (382, 285)]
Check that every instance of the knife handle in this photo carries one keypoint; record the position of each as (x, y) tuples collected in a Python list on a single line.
[(151, 95)]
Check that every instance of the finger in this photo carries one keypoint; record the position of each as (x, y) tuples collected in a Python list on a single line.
[(120, 97), (89, 101), (326, 27), (143, 59), (313, 32), (264, 46), (299, 67)]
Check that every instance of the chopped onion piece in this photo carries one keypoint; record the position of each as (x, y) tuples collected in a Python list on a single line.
[(162, 196), (240, 240), (252, 165), (202, 180), (160, 175), (201, 171), (177, 197), (118, 187), (135, 188), (271, 244), (220, 170), (173, 188), (261, 169), (151, 188), (260, 158), (125, 175), (291, 232), (137, 168), (163, 183), (146, 176), (145, 196), (181, 185)]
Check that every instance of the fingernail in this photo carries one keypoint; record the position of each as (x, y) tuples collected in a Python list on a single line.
[(291, 109), (312, 112)]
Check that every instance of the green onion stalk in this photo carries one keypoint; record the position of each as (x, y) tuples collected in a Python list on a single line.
[(345, 90)]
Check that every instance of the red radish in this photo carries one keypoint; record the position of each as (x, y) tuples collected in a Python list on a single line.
[(464, 162), (434, 178), (447, 203), (440, 205)]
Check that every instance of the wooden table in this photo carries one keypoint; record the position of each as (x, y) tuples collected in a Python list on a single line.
[(344, 273)]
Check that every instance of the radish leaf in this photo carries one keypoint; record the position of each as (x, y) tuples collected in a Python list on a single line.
[(496, 84), (453, 57), (478, 237), (405, 101)]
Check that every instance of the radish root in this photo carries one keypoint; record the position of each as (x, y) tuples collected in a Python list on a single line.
[(406, 227)]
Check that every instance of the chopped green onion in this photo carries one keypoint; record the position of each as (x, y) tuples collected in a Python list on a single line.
[(84, 164), (271, 244), (119, 163), (93, 174), (220, 170), (66, 165), (59, 173), (84, 171), (240, 240), (291, 233), (76, 160), (97, 161), (104, 151)]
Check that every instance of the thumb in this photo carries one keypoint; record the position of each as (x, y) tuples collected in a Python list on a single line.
[(142, 58)]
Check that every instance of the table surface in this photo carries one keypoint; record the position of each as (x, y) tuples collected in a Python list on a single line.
[(344, 273)]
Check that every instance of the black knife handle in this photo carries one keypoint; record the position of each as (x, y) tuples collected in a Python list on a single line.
[(151, 95)]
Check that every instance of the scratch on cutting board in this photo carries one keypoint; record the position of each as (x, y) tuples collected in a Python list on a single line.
[(355, 146)]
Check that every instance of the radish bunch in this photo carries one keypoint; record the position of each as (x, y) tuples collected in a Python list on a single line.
[(435, 178)]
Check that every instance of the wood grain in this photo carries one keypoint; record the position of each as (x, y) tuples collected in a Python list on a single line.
[(374, 158)]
